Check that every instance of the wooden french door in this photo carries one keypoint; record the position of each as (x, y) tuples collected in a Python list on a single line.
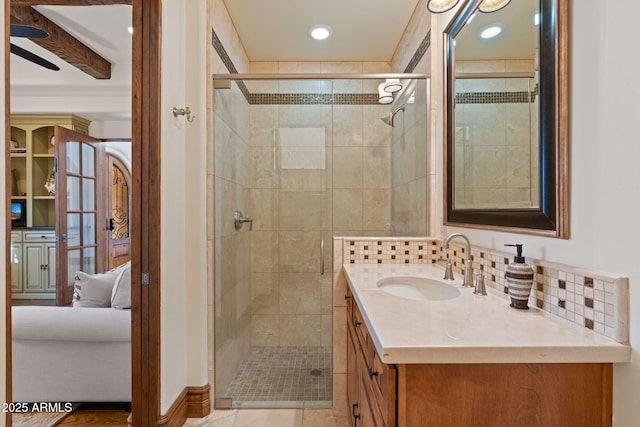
[(118, 213), (80, 162)]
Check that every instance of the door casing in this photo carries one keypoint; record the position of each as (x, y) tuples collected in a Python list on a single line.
[(145, 215)]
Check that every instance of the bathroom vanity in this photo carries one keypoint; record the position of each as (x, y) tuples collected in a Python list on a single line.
[(425, 352)]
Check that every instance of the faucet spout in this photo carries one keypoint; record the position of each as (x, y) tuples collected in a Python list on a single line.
[(468, 268)]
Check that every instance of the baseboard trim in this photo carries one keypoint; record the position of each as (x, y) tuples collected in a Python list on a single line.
[(193, 402)]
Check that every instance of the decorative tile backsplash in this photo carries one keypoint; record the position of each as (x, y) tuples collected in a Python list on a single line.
[(598, 301), (385, 251)]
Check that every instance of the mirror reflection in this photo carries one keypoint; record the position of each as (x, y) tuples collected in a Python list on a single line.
[(496, 109)]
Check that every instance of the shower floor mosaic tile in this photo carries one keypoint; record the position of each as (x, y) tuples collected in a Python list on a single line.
[(284, 377)]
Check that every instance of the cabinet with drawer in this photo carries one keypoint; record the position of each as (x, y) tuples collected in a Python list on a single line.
[(371, 384), (475, 394)]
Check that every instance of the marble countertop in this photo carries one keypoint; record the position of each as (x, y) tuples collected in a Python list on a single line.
[(468, 328)]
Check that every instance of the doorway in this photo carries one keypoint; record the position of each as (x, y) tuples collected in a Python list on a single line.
[(144, 244)]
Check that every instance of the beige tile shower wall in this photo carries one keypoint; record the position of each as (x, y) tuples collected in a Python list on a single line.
[(496, 146), (296, 208), (409, 167), (227, 179)]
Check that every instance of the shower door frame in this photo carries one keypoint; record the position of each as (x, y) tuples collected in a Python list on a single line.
[(223, 81)]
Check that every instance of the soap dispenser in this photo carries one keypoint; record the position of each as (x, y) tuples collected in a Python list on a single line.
[(519, 276)]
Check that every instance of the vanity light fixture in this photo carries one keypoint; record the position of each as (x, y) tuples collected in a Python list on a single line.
[(384, 97), (392, 85), (439, 6), (488, 6), (320, 32)]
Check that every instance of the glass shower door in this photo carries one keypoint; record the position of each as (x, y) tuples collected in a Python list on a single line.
[(273, 323)]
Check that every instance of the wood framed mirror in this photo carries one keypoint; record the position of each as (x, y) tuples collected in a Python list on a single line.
[(506, 130)]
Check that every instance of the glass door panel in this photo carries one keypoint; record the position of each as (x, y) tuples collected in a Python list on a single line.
[(78, 248)]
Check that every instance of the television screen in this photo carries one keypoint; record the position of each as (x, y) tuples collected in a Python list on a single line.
[(16, 210), (18, 213)]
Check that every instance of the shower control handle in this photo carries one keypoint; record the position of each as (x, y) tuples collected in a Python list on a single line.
[(239, 219)]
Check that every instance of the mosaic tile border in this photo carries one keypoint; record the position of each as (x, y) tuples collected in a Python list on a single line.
[(495, 97), (598, 301), (419, 53), (228, 63), (313, 99)]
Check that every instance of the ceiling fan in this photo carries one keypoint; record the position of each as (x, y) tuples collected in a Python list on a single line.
[(30, 32)]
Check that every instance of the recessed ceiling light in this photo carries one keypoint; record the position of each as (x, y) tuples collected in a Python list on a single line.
[(490, 31), (320, 32)]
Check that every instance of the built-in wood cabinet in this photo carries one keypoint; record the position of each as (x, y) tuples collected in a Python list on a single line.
[(33, 248), (17, 263), (33, 161), (33, 264), (470, 395)]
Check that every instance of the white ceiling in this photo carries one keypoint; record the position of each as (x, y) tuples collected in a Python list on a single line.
[(104, 30), (518, 40), (277, 30)]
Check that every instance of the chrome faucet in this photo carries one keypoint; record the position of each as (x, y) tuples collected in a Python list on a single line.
[(468, 268)]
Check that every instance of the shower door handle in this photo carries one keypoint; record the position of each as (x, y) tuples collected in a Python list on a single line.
[(321, 257)]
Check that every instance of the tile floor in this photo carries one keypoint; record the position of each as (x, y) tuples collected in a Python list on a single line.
[(271, 418), (292, 377)]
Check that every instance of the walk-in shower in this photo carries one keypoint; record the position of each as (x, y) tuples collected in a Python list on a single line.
[(305, 157)]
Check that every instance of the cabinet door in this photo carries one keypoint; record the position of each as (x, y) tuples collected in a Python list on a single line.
[(16, 267), (370, 415), (352, 377), (34, 262), (50, 269)]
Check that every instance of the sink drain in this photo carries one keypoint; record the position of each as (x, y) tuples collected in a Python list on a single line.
[(315, 372)]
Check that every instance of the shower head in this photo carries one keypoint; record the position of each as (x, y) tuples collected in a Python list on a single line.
[(389, 119)]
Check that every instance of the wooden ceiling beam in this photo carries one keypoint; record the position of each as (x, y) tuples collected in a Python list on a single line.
[(68, 2), (61, 43)]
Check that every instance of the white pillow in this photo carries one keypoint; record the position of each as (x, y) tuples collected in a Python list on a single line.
[(94, 290), (97, 287), (121, 292)]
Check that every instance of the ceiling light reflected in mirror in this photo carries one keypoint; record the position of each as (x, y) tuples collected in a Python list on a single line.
[(320, 32), (488, 6), (490, 31)]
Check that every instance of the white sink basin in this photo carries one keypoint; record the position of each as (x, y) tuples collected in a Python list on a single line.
[(417, 288)]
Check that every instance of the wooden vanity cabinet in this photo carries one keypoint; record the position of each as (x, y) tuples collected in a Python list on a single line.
[(371, 384), (471, 395)]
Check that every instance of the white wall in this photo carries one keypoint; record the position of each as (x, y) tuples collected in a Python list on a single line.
[(183, 266), (604, 173), (112, 129)]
